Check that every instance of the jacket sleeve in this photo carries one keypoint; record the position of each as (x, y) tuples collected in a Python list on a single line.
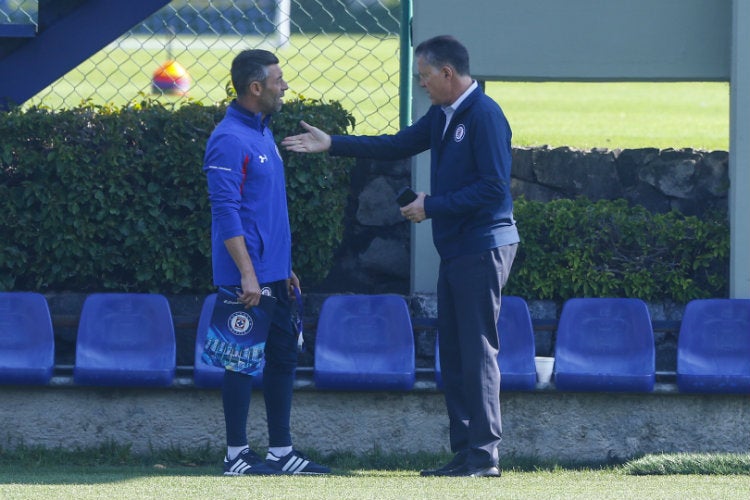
[(223, 164), (408, 142)]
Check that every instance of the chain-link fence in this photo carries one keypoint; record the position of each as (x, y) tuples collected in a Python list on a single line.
[(342, 50)]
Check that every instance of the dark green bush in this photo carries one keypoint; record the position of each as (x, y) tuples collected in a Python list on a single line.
[(577, 248), (318, 187), (98, 198)]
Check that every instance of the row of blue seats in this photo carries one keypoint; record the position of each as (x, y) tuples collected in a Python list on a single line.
[(367, 342), (608, 345), (123, 339)]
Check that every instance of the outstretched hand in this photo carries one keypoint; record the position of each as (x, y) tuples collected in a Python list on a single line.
[(312, 141)]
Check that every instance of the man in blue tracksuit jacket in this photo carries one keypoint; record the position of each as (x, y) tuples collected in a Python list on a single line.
[(473, 230), (251, 246)]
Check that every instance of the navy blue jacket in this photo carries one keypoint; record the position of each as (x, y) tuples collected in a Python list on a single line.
[(247, 191), (470, 202)]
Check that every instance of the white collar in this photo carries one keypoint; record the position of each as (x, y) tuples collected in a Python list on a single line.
[(453, 107)]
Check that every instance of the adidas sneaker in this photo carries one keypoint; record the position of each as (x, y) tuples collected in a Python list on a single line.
[(247, 462), (294, 463)]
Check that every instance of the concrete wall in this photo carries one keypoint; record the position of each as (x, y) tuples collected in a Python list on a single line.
[(545, 423)]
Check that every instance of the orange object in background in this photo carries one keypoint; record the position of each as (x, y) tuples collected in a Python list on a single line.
[(171, 78)]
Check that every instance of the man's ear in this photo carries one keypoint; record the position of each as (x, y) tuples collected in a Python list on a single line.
[(447, 71), (255, 88)]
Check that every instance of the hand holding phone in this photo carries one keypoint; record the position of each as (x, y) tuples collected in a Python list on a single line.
[(406, 196)]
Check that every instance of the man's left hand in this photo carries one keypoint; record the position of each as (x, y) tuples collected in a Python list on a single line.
[(293, 282), (414, 211)]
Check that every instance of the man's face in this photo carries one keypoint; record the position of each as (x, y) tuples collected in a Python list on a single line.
[(434, 81), (273, 91)]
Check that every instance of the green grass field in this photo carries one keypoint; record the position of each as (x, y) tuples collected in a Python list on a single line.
[(202, 483), (112, 472), (362, 72), (617, 115)]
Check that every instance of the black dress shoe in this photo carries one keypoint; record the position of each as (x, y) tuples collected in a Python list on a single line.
[(469, 471), (458, 462)]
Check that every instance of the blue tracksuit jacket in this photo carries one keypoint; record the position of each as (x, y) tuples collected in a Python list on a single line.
[(246, 187), (470, 203)]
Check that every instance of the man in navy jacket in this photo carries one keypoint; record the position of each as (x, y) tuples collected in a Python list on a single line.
[(473, 230)]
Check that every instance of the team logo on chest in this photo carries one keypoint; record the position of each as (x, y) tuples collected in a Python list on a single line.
[(263, 158), (460, 133)]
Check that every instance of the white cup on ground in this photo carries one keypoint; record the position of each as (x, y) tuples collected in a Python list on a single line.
[(544, 367)]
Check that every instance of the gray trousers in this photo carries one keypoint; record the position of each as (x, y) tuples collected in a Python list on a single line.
[(468, 293)]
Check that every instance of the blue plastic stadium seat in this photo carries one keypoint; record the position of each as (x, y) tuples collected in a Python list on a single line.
[(125, 339), (713, 349), (27, 341), (364, 342), (517, 349), (605, 344)]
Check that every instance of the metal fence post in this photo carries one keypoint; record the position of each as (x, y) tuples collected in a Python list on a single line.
[(405, 75)]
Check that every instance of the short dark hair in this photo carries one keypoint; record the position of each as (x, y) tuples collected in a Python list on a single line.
[(444, 49), (251, 66)]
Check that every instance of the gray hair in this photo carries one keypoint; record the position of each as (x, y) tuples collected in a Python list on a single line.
[(442, 50)]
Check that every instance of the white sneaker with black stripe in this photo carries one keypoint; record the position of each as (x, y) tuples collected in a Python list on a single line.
[(294, 463), (246, 463)]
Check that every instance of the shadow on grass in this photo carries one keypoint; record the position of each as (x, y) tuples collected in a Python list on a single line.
[(112, 461), (378, 460)]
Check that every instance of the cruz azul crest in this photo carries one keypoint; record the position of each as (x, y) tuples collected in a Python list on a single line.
[(240, 323)]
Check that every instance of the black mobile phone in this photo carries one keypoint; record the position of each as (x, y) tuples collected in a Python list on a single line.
[(406, 196)]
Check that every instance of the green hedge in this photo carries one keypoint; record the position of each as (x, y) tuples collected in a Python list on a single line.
[(576, 248), (102, 199)]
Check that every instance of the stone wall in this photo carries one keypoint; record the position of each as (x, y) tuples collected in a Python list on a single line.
[(374, 256)]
